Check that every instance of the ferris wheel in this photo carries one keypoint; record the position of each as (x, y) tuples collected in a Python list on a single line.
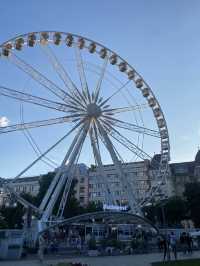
[(79, 102)]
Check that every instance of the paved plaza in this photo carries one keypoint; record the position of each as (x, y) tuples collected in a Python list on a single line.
[(131, 260)]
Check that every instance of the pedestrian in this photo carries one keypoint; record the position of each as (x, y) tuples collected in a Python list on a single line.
[(189, 243), (183, 242), (165, 246), (173, 244), (159, 243)]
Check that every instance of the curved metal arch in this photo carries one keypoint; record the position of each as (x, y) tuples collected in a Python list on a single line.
[(113, 215)]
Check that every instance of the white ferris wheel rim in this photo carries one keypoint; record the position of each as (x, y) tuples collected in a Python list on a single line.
[(94, 47)]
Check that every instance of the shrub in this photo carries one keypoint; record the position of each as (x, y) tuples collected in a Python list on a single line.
[(92, 244)]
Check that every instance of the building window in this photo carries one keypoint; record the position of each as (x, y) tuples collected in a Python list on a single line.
[(82, 189), (82, 180), (82, 199)]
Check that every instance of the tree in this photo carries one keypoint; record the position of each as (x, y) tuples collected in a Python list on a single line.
[(45, 182), (3, 224), (175, 210), (12, 216), (94, 207), (192, 195), (73, 206), (150, 212)]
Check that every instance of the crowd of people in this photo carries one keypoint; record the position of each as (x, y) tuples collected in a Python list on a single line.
[(170, 245)]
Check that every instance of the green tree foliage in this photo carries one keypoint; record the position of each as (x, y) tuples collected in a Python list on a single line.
[(192, 195), (92, 244), (45, 182), (3, 224), (12, 216), (175, 210), (94, 207), (73, 206)]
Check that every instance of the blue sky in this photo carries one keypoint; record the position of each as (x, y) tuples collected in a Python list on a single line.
[(159, 38)]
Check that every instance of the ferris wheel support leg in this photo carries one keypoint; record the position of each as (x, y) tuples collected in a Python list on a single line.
[(125, 184), (108, 196), (65, 196), (71, 158), (58, 174)]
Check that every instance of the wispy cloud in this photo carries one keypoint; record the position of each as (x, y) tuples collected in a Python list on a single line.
[(4, 121)]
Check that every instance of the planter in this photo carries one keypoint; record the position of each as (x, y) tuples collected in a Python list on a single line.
[(14, 252)]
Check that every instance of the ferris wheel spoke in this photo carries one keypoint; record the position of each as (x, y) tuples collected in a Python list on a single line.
[(37, 76), (126, 109), (61, 71), (49, 149), (26, 97), (132, 127), (115, 93), (36, 124), (126, 142), (125, 184), (102, 74), (82, 75), (74, 93), (73, 100)]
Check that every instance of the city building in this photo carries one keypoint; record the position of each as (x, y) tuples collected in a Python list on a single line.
[(80, 173), (82, 184), (31, 185), (183, 173), (135, 172), (28, 185), (141, 176)]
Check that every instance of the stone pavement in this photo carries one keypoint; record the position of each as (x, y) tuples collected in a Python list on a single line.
[(131, 260)]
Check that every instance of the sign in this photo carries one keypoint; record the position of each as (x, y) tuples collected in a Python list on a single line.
[(114, 207)]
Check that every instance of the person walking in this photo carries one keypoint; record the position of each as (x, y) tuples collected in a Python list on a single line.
[(165, 246), (183, 242), (189, 243), (173, 244)]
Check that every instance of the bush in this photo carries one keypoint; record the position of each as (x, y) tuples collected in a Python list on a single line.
[(111, 243), (115, 243), (92, 244), (134, 244)]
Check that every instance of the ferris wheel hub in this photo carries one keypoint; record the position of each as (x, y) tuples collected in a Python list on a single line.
[(93, 110)]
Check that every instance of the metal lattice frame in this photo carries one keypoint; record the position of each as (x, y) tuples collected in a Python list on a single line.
[(90, 114)]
